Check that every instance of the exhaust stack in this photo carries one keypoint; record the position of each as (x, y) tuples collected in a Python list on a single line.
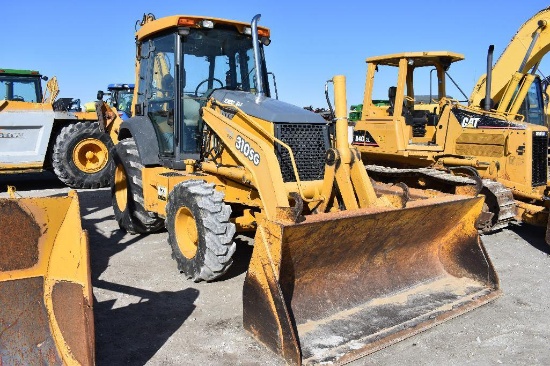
[(488, 79), (259, 83)]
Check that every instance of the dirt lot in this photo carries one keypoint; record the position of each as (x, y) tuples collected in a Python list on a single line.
[(146, 313)]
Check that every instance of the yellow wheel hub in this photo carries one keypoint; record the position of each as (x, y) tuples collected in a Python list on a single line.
[(121, 188), (186, 232), (90, 155)]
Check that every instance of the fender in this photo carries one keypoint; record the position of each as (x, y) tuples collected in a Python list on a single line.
[(142, 130)]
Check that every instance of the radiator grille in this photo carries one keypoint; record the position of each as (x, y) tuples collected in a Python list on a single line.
[(309, 143), (540, 160)]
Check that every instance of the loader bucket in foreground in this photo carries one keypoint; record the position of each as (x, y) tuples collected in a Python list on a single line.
[(46, 313), (339, 286)]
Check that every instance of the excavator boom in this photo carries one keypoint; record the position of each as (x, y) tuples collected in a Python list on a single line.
[(523, 53)]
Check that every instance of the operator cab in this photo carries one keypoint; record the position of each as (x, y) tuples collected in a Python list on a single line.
[(121, 98), (533, 106), (20, 85), (181, 67), (407, 78)]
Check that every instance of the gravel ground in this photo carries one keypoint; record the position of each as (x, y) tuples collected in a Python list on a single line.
[(146, 313)]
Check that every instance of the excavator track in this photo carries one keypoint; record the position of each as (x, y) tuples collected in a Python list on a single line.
[(499, 199)]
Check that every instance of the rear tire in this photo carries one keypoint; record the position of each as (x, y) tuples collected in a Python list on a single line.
[(199, 230), (127, 191), (81, 156)]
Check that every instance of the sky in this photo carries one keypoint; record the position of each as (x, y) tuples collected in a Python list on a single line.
[(90, 44)]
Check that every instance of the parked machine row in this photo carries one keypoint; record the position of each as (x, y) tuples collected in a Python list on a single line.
[(342, 265)]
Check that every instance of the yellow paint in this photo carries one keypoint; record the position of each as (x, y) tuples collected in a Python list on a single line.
[(63, 256), (504, 75), (90, 155), (502, 154)]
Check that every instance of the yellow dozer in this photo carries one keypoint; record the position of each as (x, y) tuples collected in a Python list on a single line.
[(339, 268), (46, 315), (501, 138)]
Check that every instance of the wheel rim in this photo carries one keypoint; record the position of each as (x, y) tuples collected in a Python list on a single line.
[(186, 233), (90, 155), (121, 188)]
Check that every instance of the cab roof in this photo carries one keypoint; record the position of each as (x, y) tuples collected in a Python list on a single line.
[(193, 21), (419, 58), (120, 86), (19, 72)]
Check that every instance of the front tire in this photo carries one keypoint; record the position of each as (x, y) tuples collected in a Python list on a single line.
[(81, 156), (199, 230), (127, 191)]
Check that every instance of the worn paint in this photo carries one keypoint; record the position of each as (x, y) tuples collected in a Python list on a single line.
[(45, 285), (346, 284)]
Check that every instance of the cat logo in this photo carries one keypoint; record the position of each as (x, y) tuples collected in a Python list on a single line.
[(470, 122)]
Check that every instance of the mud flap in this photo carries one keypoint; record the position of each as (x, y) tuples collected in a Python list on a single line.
[(46, 314), (339, 286)]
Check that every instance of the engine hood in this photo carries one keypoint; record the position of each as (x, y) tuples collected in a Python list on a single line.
[(268, 109)]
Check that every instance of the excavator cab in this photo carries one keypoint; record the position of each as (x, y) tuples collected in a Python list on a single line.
[(533, 105)]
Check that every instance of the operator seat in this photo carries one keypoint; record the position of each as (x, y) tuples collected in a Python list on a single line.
[(392, 92), (416, 119)]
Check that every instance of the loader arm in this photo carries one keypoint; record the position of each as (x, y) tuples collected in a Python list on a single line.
[(260, 160), (524, 51), (108, 119), (344, 172), (51, 92), (320, 289)]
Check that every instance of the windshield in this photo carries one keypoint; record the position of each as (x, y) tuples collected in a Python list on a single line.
[(20, 88), (123, 100), (532, 107), (218, 58)]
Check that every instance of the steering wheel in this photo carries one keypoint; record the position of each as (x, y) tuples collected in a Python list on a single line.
[(204, 81), (18, 98)]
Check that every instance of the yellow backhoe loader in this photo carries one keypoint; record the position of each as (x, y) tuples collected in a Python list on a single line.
[(502, 138), (340, 268), (46, 315)]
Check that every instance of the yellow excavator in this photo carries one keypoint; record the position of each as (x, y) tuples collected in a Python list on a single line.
[(340, 267), (46, 315), (502, 138), (514, 84)]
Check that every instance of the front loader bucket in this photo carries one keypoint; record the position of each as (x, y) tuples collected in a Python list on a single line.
[(339, 286), (45, 288)]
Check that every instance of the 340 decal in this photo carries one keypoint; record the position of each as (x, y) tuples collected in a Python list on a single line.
[(247, 150)]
